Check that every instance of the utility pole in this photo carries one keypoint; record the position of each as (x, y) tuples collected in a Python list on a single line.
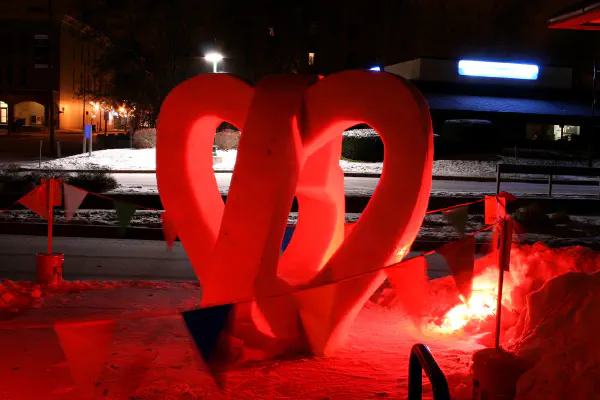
[(83, 84), (52, 80), (593, 122)]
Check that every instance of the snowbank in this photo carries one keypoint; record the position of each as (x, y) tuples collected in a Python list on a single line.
[(557, 334), (550, 318)]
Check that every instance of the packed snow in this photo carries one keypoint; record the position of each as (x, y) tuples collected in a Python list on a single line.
[(154, 358), (550, 319)]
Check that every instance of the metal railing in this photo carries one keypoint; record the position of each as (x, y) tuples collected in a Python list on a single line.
[(549, 171), (421, 360)]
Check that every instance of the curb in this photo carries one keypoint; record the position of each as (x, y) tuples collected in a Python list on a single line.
[(348, 175), (138, 233)]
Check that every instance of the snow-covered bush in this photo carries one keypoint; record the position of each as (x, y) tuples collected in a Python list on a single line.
[(227, 139), (362, 145), (468, 136), (12, 179), (144, 138), (94, 180)]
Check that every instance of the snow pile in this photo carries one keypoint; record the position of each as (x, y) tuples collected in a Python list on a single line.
[(15, 297), (557, 334)]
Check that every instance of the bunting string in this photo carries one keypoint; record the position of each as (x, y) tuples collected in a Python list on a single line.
[(275, 295)]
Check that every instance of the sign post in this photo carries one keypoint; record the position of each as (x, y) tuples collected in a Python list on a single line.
[(106, 118), (87, 134)]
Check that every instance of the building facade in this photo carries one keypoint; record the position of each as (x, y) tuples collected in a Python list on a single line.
[(28, 80), (46, 68), (523, 101)]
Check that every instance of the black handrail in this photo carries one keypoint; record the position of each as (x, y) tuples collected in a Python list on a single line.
[(422, 359)]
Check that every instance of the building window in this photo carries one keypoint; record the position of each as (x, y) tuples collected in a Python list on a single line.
[(565, 132), (41, 51), (311, 58), (3, 113)]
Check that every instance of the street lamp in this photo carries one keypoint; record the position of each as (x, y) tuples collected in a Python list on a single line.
[(213, 58)]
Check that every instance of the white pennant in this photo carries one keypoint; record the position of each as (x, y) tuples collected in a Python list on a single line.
[(73, 199)]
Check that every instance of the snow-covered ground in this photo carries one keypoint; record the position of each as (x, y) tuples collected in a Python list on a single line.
[(157, 354), (145, 159), (550, 322)]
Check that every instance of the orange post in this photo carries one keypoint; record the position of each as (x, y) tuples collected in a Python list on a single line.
[(50, 183)]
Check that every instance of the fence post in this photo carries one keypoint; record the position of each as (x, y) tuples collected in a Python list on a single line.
[(503, 253), (50, 183), (498, 178)]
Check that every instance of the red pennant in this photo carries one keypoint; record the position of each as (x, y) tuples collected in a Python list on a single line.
[(495, 209), (86, 346), (507, 196), (459, 258), (410, 282), (169, 232), (36, 201)]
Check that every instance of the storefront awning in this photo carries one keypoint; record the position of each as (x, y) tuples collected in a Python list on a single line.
[(582, 16), (488, 104)]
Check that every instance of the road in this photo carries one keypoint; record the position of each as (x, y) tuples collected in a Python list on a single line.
[(358, 186), (104, 259)]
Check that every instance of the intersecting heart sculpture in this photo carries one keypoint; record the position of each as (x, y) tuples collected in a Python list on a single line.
[(290, 146)]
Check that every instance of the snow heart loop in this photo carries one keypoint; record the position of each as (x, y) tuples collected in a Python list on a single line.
[(292, 134)]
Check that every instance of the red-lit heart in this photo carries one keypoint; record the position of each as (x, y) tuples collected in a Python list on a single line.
[(292, 134)]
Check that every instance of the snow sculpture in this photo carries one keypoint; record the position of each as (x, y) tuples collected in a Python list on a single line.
[(292, 134)]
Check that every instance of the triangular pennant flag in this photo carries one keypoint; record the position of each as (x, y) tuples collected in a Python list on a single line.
[(86, 346), (36, 201), (507, 196), (125, 212), (519, 231), (457, 217), (209, 328), (73, 199), (458, 258), (410, 282), (169, 232), (495, 209)]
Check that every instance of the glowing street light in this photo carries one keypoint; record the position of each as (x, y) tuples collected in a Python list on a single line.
[(214, 58), (375, 68)]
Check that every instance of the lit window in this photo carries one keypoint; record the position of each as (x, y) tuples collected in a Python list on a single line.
[(3, 113), (311, 58)]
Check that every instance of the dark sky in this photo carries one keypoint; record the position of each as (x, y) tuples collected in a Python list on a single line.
[(346, 33)]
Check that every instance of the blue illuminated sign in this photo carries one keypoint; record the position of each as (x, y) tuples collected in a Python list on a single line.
[(491, 69)]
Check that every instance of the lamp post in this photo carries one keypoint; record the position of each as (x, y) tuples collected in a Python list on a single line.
[(214, 58)]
